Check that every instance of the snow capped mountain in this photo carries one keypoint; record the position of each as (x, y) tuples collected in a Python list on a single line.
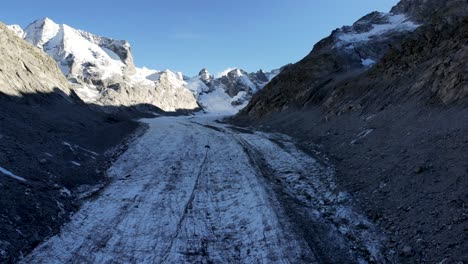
[(80, 54), (230, 91), (101, 71)]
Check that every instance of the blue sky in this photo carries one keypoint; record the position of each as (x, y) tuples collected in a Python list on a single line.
[(188, 35)]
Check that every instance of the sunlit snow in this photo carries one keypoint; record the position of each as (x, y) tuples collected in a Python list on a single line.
[(395, 22)]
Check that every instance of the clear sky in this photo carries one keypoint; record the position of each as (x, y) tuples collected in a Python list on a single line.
[(188, 35)]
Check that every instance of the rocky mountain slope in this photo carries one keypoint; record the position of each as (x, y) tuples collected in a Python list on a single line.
[(347, 52), (352, 50), (386, 99), (52, 146), (22, 74), (102, 71)]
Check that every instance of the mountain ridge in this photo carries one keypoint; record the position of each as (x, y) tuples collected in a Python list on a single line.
[(102, 70)]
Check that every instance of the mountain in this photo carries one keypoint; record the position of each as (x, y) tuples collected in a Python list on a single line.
[(34, 71), (352, 51), (102, 71), (229, 91), (348, 51), (82, 55), (385, 100), (52, 145)]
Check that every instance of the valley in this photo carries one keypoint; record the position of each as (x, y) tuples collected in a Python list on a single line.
[(356, 153), (195, 190)]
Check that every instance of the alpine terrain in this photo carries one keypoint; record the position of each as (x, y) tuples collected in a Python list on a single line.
[(358, 153), (102, 71)]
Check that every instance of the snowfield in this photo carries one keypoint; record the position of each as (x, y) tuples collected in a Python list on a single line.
[(192, 190)]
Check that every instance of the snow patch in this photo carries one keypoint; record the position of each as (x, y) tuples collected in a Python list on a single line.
[(75, 163), (368, 62), (219, 102), (362, 135), (10, 174), (395, 23), (17, 29)]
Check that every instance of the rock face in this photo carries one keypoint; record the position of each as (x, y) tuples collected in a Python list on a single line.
[(166, 90), (424, 11), (368, 50), (347, 52), (25, 69)]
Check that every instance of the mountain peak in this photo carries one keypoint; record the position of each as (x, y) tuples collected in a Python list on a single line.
[(45, 20), (203, 72), (43, 23), (41, 31)]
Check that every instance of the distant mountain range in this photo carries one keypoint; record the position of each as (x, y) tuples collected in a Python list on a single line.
[(102, 71)]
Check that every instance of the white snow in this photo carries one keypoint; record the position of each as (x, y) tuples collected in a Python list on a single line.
[(395, 23), (87, 92), (197, 86), (362, 135), (41, 31), (188, 192), (62, 41), (17, 29), (10, 174), (80, 150), (215, 99), (180, 199), (75, 163), (88, 151), (219, 102), (225, 72), (247, 82), (145, 76), (368, 62)]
